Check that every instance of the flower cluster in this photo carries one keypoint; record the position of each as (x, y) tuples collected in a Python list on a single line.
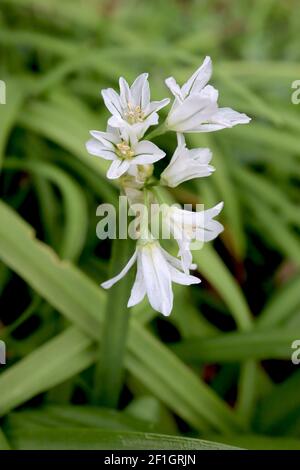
[(194, 109)]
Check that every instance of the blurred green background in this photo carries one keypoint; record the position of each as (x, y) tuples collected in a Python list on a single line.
[(219, 369)]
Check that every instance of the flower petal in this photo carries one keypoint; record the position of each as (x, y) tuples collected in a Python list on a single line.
[(191, 114), (155, 106), (94, 147), (157, 279), (140, 91), (181, 278), (112, 101), (199, 79), (207, 228), (107, 138), (174, 88), (201, 155), (138, 290), (223, 118), (117, 168), (147, 152), (108, 284), (125, 93), (210, 93)]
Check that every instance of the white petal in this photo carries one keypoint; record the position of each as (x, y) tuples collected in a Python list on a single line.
[(125, 93), (139, 128), (116, 122), (199, 79), (211, 231), (181, 278), (113, 130), (229, 117), (214, 211), (157, 279), (138, 290), (201, 155), (155, 106), (112, 101), (186, 164), (147, 152), (140, 91), (117, 168), (108, 284), (186, 259), (99, 150), (223, 118), (208, 228), (175, 266), (210, 93), (191, 113), (107, 138), (174, 88), (172, 260)]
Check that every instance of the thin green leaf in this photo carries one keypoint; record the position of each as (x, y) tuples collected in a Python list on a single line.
[(76, 218), (110, 374), (74, 438), (239, 346)]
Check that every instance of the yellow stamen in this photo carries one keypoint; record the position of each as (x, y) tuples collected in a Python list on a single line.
[(124, 150), (134, 114)]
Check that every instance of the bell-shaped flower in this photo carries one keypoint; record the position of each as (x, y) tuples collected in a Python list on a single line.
[(123, 148), (156, 270), (186, 164), (195, 108), (132, 107), (187, 226)]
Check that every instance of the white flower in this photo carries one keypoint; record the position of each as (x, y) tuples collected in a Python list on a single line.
[(186, 226), (132, 107), (156, 269), (186, 164), (123, 149), (195, 108)]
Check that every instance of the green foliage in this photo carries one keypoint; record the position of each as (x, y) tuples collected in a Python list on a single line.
[(222, 362)]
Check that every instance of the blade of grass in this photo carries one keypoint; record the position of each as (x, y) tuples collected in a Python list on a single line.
[(77, 416), (15, 91), (282, 402), (109, 373), (239, 346), (76, 438), (281, 305), (76, 219), (57, 360), (284, 238)]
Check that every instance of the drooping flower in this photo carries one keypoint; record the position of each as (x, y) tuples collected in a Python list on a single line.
[(186, 226), (186, 164), (195, 108), (156, 270), (123, 148), (132, 107)]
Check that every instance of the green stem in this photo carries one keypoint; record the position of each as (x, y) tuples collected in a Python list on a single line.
[(110, 369), (160, 130)]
